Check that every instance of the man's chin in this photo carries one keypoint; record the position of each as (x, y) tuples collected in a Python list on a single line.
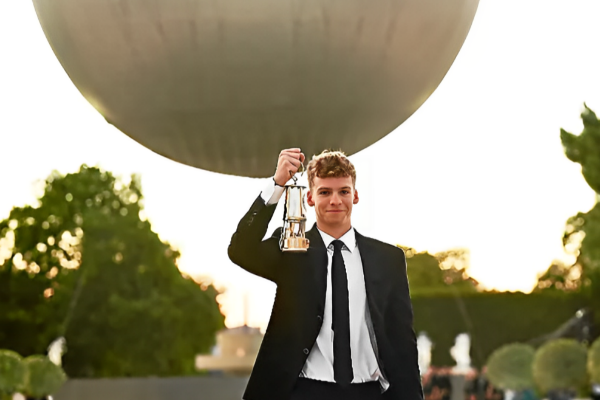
[(336, 218)]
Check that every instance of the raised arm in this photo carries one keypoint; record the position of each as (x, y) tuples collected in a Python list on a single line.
[(247, 249)]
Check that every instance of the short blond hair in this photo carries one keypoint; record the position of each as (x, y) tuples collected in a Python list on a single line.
[(330, 164)]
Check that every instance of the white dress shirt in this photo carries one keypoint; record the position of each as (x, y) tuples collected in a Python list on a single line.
[(319, 364)]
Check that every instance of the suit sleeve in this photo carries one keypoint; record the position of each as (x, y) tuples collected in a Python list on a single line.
[(248, 250), (399, 316)]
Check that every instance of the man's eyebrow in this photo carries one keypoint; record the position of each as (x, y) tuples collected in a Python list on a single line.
[(327, 188)]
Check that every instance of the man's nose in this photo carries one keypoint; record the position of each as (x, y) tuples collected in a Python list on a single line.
[(335, 199)]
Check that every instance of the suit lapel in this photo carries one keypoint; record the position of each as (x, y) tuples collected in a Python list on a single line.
[(317, 254), (374, 279)]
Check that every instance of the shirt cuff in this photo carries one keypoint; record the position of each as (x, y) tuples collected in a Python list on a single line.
[(271, 193)]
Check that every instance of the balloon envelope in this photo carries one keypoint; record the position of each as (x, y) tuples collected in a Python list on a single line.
[(225, 85)]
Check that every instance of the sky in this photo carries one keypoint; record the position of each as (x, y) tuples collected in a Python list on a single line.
[(479, 166)]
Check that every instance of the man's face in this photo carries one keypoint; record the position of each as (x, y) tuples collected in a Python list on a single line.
[(333, 199)]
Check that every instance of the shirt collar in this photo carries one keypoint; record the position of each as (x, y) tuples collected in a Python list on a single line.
[(349, 239)]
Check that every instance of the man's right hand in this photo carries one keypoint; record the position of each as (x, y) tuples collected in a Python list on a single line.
[(289, 161)]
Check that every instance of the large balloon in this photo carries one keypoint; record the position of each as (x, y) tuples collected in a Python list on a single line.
[(224, 85)]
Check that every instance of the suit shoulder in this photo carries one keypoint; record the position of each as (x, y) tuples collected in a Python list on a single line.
[(395, 250)]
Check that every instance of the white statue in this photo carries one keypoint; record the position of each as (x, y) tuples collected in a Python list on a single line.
[(460, 353), (424, 346), (56, 350)]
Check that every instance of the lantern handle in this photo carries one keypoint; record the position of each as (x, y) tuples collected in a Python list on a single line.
[(300, 169)]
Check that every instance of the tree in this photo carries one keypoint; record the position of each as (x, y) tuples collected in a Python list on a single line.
[(560, 277), (444, 271), (582, 233), (83, 264)]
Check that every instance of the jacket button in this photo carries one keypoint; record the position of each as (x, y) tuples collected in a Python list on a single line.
[(319, 318), (305, 351)]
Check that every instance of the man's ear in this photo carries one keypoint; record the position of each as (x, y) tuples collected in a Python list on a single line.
[(355, 199), (309, 199)]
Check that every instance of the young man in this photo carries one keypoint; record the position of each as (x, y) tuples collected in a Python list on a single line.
[(341, 325)]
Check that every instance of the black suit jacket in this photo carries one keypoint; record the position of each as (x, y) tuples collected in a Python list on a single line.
[(299, 306)]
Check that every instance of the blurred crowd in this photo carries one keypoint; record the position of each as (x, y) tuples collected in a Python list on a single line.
[(437, 385)]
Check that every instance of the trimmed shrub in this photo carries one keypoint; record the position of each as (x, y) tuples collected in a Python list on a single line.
[(509, 367), (594, 362), (43, 378), (560, 365), (12, 372)]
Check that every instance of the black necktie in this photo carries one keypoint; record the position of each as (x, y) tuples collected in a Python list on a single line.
[(342, 360)]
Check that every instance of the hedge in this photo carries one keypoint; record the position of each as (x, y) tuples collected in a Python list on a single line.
[(492, 319)]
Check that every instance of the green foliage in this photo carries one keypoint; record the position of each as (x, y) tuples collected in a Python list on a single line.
[(42, 377), (560, 277), (84, 265), (582, 233), (560, 365), (594, 361), (509, 367), (443, 272), (492, 319), (12, 372), (585, 148)]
